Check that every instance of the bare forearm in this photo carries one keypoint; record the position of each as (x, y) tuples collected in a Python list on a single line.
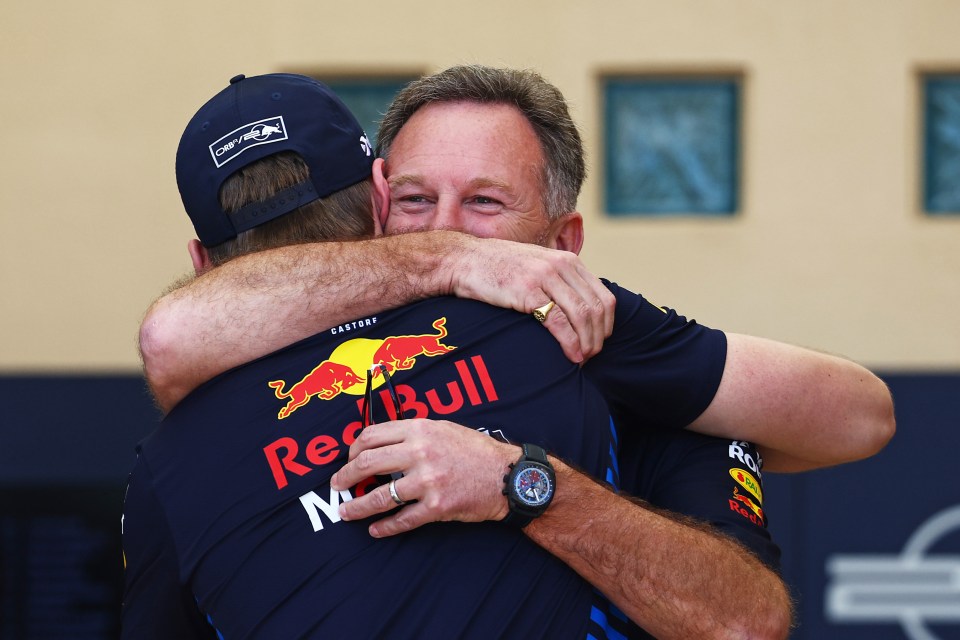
[(676, 580), (257, 303), (804, 409)]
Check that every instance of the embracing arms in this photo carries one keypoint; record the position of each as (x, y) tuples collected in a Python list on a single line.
[(255, 304), (675, 578), (805, 409)]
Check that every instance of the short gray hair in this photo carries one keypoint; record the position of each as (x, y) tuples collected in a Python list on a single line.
[(540, 102)]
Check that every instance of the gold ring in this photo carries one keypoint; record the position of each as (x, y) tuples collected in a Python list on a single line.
[(541, 313), (393, 493)]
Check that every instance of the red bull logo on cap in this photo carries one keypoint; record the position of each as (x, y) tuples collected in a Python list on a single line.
[(345, 371), (264, 131)]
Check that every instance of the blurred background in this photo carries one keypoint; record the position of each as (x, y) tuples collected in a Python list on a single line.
[(784, 169)]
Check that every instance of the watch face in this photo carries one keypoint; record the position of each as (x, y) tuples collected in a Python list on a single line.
[(532, 486)]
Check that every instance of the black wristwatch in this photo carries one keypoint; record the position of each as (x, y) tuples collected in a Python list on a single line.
[(530, 486)]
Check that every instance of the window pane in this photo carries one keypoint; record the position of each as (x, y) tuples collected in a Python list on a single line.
[(671, 145), (367, 98), (942, 140)]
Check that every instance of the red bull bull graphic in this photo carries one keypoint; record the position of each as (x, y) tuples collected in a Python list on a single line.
[(345, 371), (327, 380), (755, 513), (472, 386), (400, 352)]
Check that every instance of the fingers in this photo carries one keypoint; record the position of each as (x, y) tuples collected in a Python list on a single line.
[(599, 299), (527, 276), (408, 518), (374, 452), (452, 471), (591, 312), (560, 328), (377, 501), (586, 308), (413, 514)]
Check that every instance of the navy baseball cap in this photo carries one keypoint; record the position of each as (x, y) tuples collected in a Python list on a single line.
[(257, 117)]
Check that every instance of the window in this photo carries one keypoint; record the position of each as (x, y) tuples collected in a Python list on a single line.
[(672, 145), (367, 98), (941, 109)]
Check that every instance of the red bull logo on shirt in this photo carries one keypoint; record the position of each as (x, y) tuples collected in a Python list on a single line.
[(471, 385), (327, 380), (400, 352), (468, 383), (753, 511), (345, 370), (746, 480)]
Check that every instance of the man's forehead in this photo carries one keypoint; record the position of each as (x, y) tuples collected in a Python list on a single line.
[(399, 180), (494, 140), (472, 118)]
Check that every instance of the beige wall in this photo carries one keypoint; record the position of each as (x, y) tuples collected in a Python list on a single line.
[(830, 249)]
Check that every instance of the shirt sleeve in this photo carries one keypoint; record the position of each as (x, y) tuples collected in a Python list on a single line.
[(712, 480), (658, 369), (155, 603)]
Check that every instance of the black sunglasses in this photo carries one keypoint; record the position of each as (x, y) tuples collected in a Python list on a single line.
[(367, 408)]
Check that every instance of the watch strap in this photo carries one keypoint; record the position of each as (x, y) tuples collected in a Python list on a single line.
[(516, 519), (518, 516), (534, 453)]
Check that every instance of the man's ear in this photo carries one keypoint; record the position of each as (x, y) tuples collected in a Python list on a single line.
[(199, 256), (381, 193), (566, 233)]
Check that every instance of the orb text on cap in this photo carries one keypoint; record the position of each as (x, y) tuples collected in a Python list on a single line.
[(250, 135)]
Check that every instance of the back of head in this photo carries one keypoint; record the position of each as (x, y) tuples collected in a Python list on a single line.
[(274, 160), (539, 101)]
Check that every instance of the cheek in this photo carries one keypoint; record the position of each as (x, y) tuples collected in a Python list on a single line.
[(399, 222), (514, 229)]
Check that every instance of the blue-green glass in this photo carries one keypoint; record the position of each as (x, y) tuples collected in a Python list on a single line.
[(942, 142), (672, 146), (368, 99)]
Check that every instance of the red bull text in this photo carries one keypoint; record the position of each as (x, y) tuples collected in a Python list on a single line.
[(472, 385), (755, 513)]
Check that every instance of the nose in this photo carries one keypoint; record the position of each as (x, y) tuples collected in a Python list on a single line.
[(448, 215)]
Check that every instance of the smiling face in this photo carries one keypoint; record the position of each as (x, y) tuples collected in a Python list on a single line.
[(470, 167)]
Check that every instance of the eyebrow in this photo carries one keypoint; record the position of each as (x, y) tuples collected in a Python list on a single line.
[(418, 180), (404, 179)]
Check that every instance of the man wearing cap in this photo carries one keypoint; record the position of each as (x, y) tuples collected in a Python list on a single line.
[(382, 436)]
